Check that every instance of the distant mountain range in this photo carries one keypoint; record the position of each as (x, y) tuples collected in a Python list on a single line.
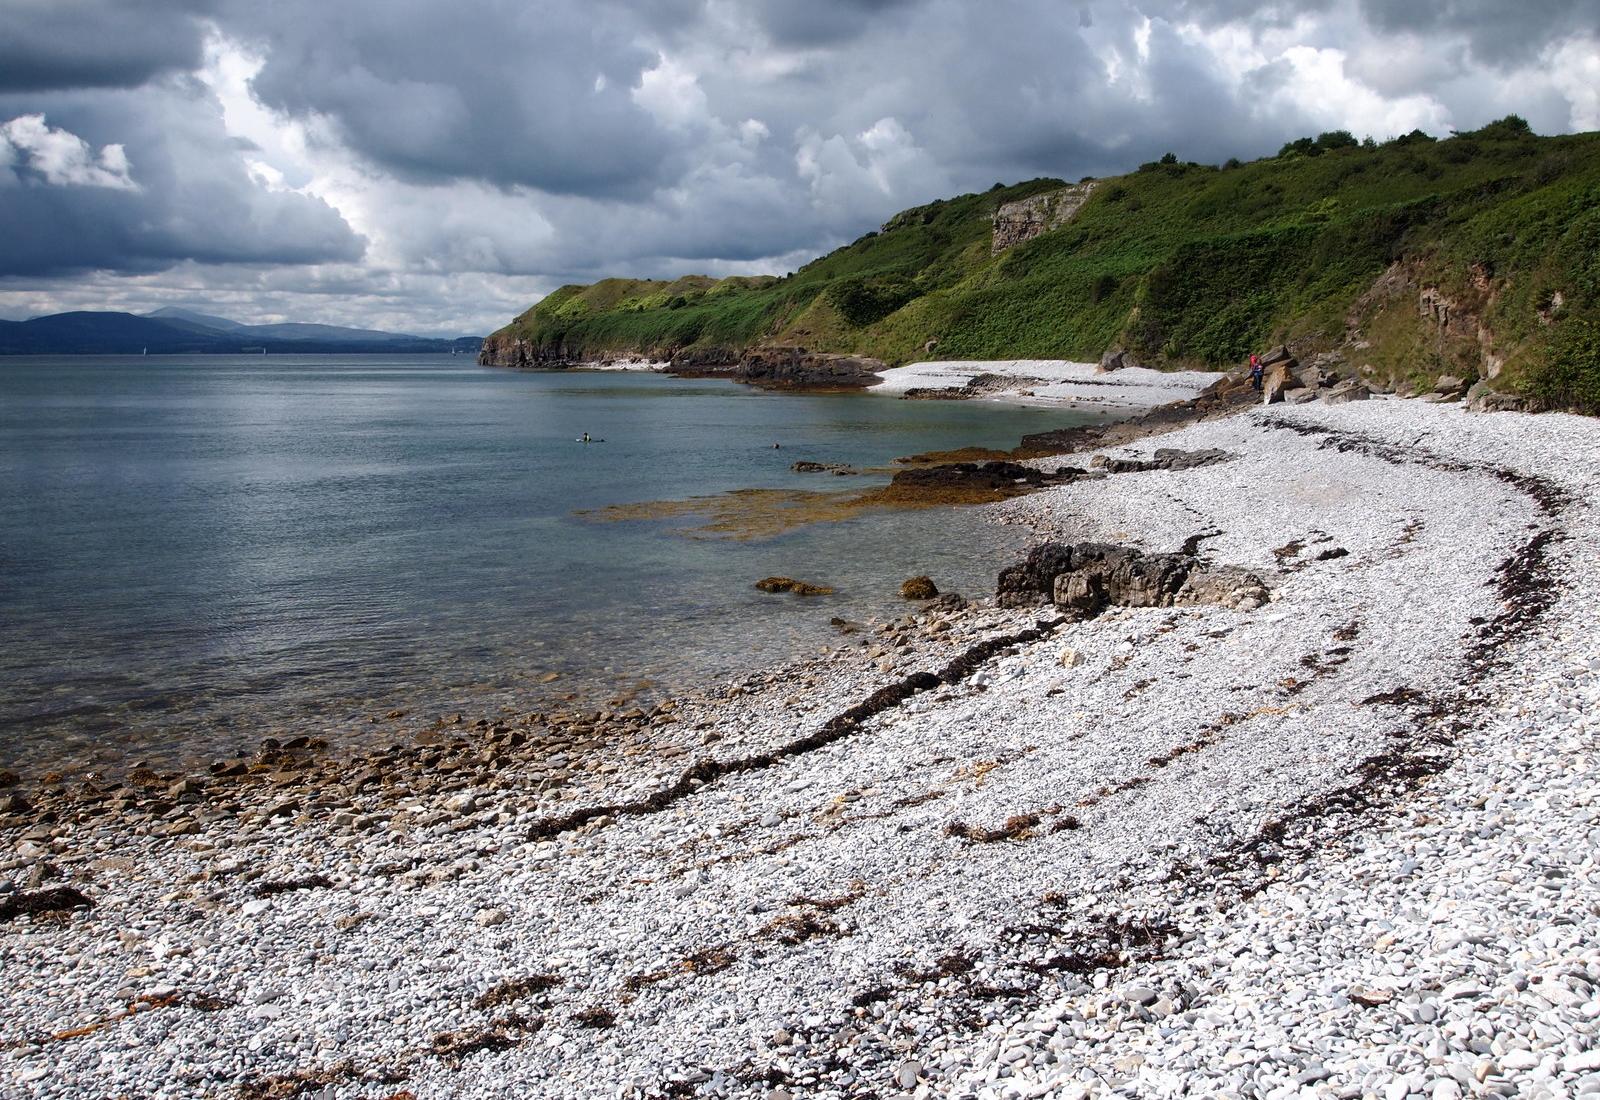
[(174, 331)]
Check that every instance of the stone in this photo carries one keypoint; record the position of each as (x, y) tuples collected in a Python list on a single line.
[(1071, 658), (1450, 384), (1165, 458), (490, 918), (1136, 994), (1489, 400), (792, 586), (1299, 396), (1088, 577), (57, 899), (906, 1076), (1348, 390), (919, 588), (1116, 359), (1277, 381)]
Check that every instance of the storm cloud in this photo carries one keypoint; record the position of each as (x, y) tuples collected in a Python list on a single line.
[(447, 161)]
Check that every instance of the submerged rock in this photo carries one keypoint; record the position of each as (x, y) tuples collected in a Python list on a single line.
[(792, 586)]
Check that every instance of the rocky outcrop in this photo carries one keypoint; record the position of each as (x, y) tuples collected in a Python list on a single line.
[(1087, 577), (1165, 458), (1025, 219), (795, 368), (696, 362), (1115, 359), (972, 475), (504, 349)]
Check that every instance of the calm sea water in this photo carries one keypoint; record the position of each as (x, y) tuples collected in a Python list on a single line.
[(196, 552)]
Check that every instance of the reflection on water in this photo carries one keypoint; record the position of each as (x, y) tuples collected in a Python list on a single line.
[(196, 552)]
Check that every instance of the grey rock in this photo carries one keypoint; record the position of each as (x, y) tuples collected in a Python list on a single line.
[(1348, 390)]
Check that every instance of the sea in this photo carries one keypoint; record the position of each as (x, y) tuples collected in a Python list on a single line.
[(197, 552)]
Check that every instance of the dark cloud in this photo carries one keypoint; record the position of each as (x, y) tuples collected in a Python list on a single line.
[(1500, 32), (60, 44), (539, 96), (174, 190), (823, 22), (492, 148)]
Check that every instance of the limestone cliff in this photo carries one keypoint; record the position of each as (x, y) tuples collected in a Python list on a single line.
[(1025, 219)]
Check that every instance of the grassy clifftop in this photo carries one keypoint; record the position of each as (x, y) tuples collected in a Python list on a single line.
[(1477, 256)]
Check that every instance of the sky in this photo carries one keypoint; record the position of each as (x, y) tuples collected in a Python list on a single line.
[(436, 166)]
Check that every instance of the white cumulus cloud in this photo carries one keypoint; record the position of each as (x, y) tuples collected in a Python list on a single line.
[(31, 147)]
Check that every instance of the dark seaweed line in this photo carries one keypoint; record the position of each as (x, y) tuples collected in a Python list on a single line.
[(841, 725), (1526, 583)]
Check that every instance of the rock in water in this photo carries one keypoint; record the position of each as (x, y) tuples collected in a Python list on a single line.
[(789, 584), (919, 588)]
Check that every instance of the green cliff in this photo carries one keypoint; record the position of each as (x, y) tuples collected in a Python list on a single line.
[(1476, 256)]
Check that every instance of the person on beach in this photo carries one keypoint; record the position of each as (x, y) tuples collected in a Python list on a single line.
[(1256, 371)]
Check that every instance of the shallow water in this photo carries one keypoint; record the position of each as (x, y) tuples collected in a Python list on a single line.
[(199, 551)]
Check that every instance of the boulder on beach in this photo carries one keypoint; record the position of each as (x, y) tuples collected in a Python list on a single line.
[(1278, 379), (1087, 577), (1349, 390), (919, 588)]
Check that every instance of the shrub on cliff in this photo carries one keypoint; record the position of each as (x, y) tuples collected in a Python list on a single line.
[(863, 301)]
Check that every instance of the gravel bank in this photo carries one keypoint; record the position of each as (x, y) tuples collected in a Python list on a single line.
[(1047, 382), (1340, 845)]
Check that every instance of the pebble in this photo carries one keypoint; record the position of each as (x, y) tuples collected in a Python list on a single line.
[(813, 927)]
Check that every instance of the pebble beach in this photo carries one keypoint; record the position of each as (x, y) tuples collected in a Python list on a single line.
[(1341, 844)]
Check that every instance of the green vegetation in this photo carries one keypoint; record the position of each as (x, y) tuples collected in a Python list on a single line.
[(1329, 244)]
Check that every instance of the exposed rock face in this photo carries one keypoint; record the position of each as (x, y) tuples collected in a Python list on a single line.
[(1025, 219), (501, 349), (794, 368), (1088, 577), (696, 361)]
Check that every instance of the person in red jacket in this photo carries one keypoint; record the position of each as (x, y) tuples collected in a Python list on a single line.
[(1255, 372)]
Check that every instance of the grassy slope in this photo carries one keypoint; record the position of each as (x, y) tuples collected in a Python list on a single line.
[(1187, 264)]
